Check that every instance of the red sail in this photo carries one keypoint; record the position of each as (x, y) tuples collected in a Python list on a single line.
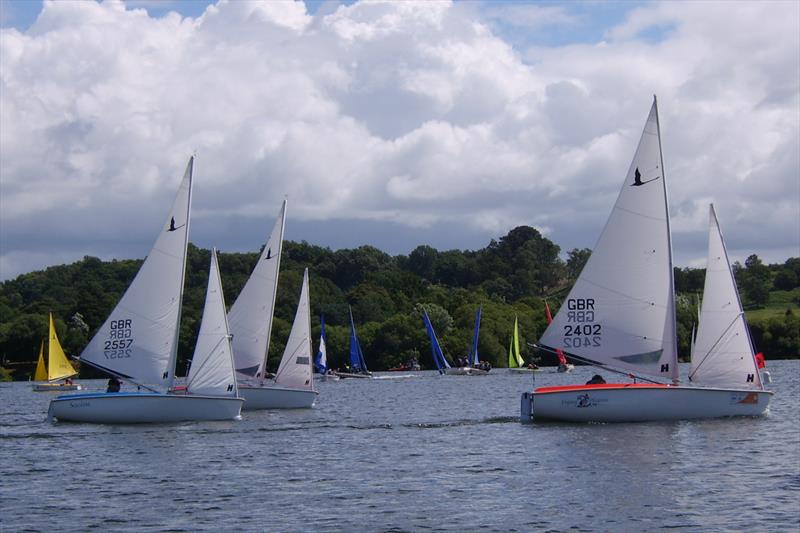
[(561, 359)]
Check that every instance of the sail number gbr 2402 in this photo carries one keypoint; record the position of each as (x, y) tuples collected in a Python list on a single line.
[(119, 341), (581, 331)]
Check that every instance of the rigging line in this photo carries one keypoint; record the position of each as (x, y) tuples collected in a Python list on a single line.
[(593, 363), (639, 214), (189, 382), (618, 293), (719, 339)]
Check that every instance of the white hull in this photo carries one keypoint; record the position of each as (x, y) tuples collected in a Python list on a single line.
[(569, 367), (328, 377), (273, 397), (139, 408), (524, 370), (465, 371), (352, 375), (639, 403), (55, 387)]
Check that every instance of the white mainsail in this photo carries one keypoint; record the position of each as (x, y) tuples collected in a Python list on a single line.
[(211, 372), (621, 310), (250, 316), (296, 370), (723, 354), (138, 340)]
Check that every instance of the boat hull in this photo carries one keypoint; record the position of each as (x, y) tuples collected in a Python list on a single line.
[(352, 375), (142, 408), (524, 370), (627, 402), (465, 371), (272, 397), (55, 387)]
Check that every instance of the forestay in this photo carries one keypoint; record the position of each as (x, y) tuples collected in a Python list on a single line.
[(250, 316), (723, 352), (295, 369), (211, 371), (138, 340), (620, 312)]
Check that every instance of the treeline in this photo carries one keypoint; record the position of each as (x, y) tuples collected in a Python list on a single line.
[(511, 276)]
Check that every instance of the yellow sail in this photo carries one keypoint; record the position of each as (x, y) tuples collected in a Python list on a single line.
[(58, 366), (520, 361), (41, 369), (514, 358)]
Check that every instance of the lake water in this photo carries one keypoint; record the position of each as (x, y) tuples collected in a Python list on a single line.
[(425, 453)]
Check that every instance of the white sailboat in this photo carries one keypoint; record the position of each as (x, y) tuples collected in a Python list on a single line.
[(620, 314), (439, 358), (250, 316), (138, 342), (293, 386)]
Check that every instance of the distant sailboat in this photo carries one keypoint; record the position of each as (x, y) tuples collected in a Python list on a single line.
[(563, 364), (516, 364), (620, 315), (293, 386), (358, 365), (321, 359), (138, 342), (441, 361), (49, 374)]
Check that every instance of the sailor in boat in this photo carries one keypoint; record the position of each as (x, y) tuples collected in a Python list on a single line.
[(597, 379), (113, 384)]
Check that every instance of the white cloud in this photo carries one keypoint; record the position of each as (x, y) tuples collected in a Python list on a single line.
[(417, 114)]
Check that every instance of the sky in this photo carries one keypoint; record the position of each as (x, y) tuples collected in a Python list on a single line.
[(393, 124)]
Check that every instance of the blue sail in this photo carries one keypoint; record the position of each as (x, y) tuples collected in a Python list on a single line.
[(436, 350), (357, 362), (321, 359), (472, 358)]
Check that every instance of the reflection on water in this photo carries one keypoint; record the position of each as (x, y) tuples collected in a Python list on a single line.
[(423, 453)]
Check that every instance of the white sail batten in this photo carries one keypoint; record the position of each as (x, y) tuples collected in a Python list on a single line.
[(211, 371), (250, 316), (621, 310), (723, 354), (139, 338), (295, 369)]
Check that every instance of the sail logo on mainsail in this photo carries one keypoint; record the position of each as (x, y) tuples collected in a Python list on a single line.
[(172, 226), (637, 178)]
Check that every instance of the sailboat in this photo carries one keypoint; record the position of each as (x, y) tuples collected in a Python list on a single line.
[(293, 386), (250, 316), (441, 362), (516, 364), (358, 365), (620, 315), (563, 364), (321, 359), (49, 375), (138, 342), (722, 349)]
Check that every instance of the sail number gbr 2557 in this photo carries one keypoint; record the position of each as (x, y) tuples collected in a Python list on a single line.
[(581, 331), (119, 341)]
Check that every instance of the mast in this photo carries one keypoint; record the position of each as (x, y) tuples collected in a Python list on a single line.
[(173, 356), (262, 369), (672, 317)]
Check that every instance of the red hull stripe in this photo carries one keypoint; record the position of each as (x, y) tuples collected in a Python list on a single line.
[(564, 388)]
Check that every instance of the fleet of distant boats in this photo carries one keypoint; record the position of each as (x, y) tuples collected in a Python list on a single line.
[(619, 316)]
